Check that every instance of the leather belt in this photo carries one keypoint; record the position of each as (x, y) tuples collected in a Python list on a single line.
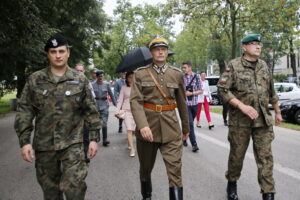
[(160, 108)]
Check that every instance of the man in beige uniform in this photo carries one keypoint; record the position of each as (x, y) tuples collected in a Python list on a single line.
[(155, 116), (248, 87)]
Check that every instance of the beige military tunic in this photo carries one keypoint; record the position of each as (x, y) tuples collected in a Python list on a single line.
[(164, 125)]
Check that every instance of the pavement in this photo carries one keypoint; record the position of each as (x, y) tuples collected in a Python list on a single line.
[(113, 175)]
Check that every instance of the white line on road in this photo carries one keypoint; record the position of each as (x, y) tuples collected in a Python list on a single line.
[(278, 167)]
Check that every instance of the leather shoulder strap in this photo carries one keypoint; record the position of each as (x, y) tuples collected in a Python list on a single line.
[(158, 86)]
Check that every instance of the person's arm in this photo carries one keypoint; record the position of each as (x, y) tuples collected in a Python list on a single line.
[(121, 99), (23, 123), (274, 101), (137, 109), (90, 112)]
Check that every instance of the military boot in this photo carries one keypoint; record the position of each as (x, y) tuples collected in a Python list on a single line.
[(104, 135), (232, 191), (268, 196), (146, 189), (120, 126), (176, 193)]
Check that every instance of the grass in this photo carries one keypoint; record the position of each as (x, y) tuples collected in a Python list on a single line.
[(4, 102), (282, 124)]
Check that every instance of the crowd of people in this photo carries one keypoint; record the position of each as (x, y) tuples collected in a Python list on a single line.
[(70, 110)]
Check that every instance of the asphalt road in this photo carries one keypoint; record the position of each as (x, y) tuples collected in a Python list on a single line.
[(113, 175)]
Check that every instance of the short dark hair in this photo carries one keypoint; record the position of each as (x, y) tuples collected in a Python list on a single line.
[(189, 63), (126, 78), (202, 72)]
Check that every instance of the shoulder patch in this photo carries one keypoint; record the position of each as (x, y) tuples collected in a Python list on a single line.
[(227, 69), (176, 68)]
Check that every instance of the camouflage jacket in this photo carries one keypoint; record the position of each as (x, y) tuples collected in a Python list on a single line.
[(164, 125), (251, 85), (59, 109)]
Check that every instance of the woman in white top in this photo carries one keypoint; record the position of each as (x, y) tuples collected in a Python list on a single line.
[(204, 99), (124, 105)]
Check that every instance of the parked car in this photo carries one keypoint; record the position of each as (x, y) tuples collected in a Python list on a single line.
[(290, 110), (287, 91), (213, 81), (291, 80)]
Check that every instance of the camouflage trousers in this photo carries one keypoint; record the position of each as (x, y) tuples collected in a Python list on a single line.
[(62, 172), (171, 153), (262, 137)]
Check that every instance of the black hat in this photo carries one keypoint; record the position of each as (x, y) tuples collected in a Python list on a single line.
[(56, 41)]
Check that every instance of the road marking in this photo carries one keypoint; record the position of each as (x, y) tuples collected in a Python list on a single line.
[(278, 167)]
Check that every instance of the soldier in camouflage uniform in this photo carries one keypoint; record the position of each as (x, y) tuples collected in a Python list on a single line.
[(156, 120), (58, 99), (102, 90), (247, 86)]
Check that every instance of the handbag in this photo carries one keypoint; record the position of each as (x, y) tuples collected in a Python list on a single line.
[(120, 114)]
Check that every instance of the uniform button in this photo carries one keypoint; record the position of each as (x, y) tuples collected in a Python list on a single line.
[(160, 99), (162, 79), (161, 86)]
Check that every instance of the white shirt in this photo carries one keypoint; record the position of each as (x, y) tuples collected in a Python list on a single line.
[(206, 92)]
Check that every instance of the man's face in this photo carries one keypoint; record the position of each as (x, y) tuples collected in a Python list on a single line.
[(123, 75), (59, 56), (159, 54), (80, 68), (100, 77), (252, 48), (186, 68)]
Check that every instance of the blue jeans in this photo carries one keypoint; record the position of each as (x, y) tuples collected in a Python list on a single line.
[(192, 114)]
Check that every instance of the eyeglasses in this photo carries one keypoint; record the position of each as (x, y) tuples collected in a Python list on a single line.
[(256, 43)]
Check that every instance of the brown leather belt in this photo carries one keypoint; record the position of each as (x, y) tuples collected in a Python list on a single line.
[(160, 108)]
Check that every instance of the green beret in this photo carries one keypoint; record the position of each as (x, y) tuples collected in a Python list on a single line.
[(251, 37)]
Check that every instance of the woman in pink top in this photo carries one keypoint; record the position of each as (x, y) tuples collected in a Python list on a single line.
[(124, 104)]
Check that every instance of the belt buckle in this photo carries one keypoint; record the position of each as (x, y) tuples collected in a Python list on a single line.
[(158, 108)]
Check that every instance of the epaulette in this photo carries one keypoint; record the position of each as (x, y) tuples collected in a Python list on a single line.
[(144, 67), (176, 68)]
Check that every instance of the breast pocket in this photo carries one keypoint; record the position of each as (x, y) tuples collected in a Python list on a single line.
[(40, 97), (148, 87), (244, 83), (74, 95), (172, 87)]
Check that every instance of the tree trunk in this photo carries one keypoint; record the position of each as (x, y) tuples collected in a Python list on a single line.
[(293, 58), (233, 29)]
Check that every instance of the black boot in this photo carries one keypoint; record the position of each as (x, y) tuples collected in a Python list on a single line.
[(268, 196), (232, 191), (120, 126), (176, 193), (146, 189), (104, 135)]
